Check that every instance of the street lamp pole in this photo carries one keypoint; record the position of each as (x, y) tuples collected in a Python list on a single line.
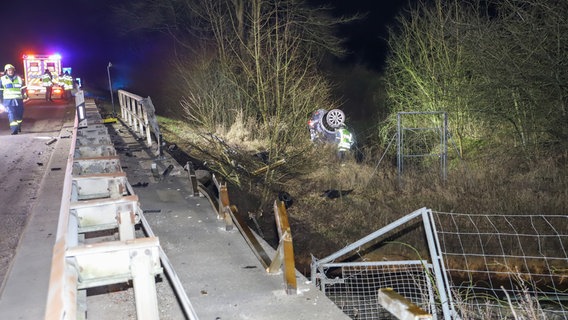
[(110, 88)]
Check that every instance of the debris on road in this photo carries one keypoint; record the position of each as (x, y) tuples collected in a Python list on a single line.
[(140, 184), (334, 194)]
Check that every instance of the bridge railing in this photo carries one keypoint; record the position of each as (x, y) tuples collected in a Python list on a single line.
[(97, 197), (140, 115)]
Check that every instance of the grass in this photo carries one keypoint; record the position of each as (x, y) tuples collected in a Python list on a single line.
[(376, 196)]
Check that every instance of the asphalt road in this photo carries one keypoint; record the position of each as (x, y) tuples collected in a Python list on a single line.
[(23, 164)]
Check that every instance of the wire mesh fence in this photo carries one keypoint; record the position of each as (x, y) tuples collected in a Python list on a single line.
[(506, 264), (480, 266), (354, 287)]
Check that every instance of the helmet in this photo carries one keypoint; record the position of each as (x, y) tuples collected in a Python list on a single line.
[(8, 66)]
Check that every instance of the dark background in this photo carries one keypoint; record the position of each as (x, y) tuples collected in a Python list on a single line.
[(366, 37), (82, 32)]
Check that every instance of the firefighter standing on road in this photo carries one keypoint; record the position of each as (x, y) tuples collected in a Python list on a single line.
[(12, 97), (67, 84), (47, 82), (56, 79)]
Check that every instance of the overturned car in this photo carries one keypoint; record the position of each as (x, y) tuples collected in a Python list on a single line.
[(323, 124)]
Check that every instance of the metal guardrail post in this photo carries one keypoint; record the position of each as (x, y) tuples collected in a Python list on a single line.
[(224, 207), (285, 251), (106, 214), (192, 179), (81, 110), (144, 285)]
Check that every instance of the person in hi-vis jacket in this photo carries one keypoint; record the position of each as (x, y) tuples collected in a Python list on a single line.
[(12, 97)]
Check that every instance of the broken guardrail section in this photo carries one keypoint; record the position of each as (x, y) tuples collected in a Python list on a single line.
[(284, 256), (140, 115)]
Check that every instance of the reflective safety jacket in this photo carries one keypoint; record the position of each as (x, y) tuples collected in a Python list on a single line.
[(46, 80), (11, 87), (67, 82), (56, 79), (344, 139)]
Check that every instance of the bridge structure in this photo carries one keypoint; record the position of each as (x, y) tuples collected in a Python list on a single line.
[(117, 229), (106, 225)]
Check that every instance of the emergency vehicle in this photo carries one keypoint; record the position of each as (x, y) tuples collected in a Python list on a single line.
[(34, 67)]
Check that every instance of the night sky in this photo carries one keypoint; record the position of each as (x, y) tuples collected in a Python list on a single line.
[(366, 38), (80, 31)]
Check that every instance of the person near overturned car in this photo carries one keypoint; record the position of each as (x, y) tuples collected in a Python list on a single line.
[(12, 97), (344, 140)]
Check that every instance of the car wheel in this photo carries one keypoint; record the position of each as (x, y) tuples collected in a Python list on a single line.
[(335, 118)]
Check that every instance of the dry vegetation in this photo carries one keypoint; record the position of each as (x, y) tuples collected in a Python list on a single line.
[(249, 87), (501, 183)]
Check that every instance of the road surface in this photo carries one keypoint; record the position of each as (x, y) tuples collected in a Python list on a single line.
[(24, 159)]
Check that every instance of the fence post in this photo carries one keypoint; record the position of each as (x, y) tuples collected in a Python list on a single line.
[(442, 282)]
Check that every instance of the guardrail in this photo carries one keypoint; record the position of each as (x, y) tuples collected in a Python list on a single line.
[(284, 257), (140, 115), (96, 197)]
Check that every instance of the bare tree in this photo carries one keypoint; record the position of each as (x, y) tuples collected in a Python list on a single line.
[(494, 66), (429, 67), (525, 56), (267, 58), (253, 61)]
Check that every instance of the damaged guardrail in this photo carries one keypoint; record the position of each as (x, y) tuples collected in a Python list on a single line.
[(284, 256), (140, 115)]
